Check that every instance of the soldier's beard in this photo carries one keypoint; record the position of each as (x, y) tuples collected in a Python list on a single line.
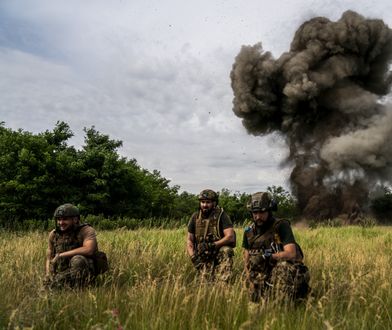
[(264, 224), (68, 229), (206, 212)]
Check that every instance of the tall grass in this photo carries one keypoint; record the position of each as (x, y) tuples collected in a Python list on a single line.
[(152, 285)]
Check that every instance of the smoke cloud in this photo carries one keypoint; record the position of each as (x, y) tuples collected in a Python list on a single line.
[(326, 98)]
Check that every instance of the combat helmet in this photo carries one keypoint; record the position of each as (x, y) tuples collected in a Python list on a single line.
[(209, 195), (261, 202), (66, 210)]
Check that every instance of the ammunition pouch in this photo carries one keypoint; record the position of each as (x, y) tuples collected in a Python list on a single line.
[(262, 261)]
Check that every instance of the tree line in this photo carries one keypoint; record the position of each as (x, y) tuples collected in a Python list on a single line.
[(41, 171)]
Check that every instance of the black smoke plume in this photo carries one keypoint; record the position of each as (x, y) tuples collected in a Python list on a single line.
[(327, 98)]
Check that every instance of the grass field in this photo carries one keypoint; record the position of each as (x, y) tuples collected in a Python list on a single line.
[(152, 285)]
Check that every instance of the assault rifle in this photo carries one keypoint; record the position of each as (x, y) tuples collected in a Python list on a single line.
[(262, 260), (206, 249)]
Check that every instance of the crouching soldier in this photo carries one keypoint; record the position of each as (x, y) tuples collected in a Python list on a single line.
[(73, 259), (273, 260), (211, 239)]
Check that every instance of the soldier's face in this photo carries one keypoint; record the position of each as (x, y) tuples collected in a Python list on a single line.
[(260, 217), (66, 223), (206, 205)]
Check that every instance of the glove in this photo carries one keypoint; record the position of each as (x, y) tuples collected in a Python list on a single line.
[(211, 247), (267, 254), (261, 261), (206, 248), (196, 261)]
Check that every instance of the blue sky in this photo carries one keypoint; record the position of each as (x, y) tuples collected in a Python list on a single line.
[(154, 74)]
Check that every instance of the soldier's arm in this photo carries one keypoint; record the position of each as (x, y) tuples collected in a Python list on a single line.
[(87, 249), (289, 253), (49, 256), (226, 228), (190, 244), (47, 262), (246, 262), (289, 246), (227, 239)]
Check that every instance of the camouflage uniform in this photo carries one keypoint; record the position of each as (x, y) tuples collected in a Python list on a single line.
[(267, 276), (212, 264), (76, 271)]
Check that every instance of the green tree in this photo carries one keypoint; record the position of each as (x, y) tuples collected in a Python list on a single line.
[(105, 183), (287, 205), (29, 180), (184, 205), (158, 197), (234, 204)]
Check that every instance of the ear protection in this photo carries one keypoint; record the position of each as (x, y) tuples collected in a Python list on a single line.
[(273, 205)]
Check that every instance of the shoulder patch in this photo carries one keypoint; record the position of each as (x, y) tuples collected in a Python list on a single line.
[(248, 229)]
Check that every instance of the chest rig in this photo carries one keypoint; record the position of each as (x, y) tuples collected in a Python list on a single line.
[(67, 241), (207, 230), (268, 240)]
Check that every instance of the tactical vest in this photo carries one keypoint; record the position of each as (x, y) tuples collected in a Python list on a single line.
[(268, 240), (260, 242), (208, 229), (67, 241)]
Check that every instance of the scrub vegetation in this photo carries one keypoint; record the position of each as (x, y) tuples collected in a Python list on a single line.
[(42, 171), (152, 285)]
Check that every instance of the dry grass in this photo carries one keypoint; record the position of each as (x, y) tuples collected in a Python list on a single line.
[(152, 285)]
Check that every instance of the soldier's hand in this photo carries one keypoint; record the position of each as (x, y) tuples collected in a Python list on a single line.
[(203, 248), (55, 259), (196, 261), (267, 254), (211, 247)]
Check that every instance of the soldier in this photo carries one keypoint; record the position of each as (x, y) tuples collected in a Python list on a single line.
[(73, 258), (211, 238), (272, 258)]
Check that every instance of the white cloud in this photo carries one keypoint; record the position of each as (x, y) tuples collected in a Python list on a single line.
[(154, 74)]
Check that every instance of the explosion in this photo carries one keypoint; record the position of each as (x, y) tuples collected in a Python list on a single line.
[(326, 98)]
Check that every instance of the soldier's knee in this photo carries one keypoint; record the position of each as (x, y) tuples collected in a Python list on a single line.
[(79, 262), (283, 265), (226, 251)]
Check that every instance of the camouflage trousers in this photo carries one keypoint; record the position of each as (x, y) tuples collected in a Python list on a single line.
[(218, 268), (284, 280), (79, 273)]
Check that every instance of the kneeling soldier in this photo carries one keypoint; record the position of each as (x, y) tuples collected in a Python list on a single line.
[(211, 238), (73, 259), (272, 258)]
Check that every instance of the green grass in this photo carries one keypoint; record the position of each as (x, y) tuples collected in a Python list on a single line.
[(152, 285)]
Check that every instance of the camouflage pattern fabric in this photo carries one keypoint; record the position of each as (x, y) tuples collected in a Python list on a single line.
[(220, 267), (290, 280), (79, 273), (285, 280)]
